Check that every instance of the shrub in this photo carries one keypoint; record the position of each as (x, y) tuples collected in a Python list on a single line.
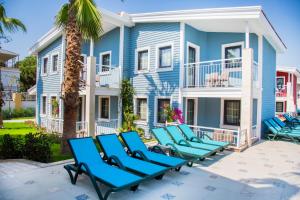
[(11, 147), (22, 112), (38, 147)]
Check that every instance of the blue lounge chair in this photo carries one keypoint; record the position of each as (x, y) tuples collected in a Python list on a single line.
[(292, 120), (89, 162), (190, 135), (285, 125), (115, 154), (191, 153), (175, 133), (138, 149), (278, 128), (275, 133)]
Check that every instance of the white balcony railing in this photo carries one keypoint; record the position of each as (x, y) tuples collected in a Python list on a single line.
[(107, 126), (237, 138), (107, 76), (216, 73)]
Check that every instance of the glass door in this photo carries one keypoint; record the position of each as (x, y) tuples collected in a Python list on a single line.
[(191, 67), (190, 111)]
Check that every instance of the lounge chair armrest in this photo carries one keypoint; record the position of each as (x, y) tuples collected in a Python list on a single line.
[(172, 146), (115, 160), (194, 139), (184, 142), (139, 154), (157, 149)]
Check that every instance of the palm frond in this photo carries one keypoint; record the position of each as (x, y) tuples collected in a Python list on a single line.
[(13, 24), (88, 19), (61, 18)]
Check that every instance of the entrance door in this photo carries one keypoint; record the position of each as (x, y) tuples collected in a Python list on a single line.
[(191, 111), (191, 68)]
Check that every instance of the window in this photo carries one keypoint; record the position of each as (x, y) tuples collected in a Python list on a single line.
[(141, 108), (280, 82), (231, 52), (142, 62), (104, 107), (44, 105), (105, 61), (45, 64), (161, 104), (279, 107), (232, 112), (190, 111), (54, 106), (54, 63), (165, 57)]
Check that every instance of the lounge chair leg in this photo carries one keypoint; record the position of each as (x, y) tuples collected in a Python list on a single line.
[(134, 188), (214, 153), (201, 159), (70, 174), (190, 164), (159, 177), (177, 169)]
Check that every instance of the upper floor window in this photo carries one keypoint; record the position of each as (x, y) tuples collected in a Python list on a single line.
[(231, 52), (165, 57), (162, 103), (141, 108), (45, 66), (54, 63), (232, 112), (105, 61), (280, 82), (142, 60)]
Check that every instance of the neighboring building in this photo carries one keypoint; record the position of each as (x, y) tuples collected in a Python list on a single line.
[(286, 89), (10, 74), (208, 62)]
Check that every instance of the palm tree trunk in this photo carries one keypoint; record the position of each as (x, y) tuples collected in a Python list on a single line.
[(71, 79)]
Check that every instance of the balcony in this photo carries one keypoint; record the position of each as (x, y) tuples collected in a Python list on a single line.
[(281, 91)]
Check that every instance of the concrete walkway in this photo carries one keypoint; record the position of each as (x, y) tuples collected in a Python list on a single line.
[(269, 170)]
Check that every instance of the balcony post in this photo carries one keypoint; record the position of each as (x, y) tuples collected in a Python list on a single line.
[(247, 98), (90, 95)]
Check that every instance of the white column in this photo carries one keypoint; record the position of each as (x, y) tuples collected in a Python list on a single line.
[(90, 95), (247, 35), (181, 69), (260, 87), (91, 47), (247, 100), (121, 63)]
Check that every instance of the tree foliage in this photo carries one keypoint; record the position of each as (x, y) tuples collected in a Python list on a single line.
[(27, 73)]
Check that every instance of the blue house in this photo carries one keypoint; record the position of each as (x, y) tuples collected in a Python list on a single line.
[(217, 65)]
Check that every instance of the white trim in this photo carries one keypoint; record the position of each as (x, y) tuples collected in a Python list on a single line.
[(100, 60), (181, 67), (155, 106), (62, 64), (222, 125), (42, 107), (99, 108), (196, 47), (136, 71), (51, 62), (143, 122), (157, 47), (42, 67), (242, 43), (195, 110)]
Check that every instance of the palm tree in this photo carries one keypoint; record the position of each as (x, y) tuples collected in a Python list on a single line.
[(11, 25), (80, 19)]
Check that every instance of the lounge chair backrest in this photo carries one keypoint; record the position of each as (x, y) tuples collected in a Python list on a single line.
[(175, 133), (287, 117), (187, 131), (84, 150), (133, 141), (270, 127), (162, 136), (274, 124), (111, 145), (279, 122)]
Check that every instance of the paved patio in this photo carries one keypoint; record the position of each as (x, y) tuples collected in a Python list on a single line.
[(269, 170)]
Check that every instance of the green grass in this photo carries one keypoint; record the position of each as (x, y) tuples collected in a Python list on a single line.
[(16, 128), (56, 155), (23, 118)]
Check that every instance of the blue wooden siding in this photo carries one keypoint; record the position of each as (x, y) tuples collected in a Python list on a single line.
[(155, 83), (109, 42), (126, 52), (209, 110), (268, 83), (50, 83)]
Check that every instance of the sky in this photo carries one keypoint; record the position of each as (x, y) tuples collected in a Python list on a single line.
[(38, 16)]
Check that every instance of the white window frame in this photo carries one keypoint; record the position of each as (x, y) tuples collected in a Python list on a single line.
[(100, 61), (283, 102), (222, 125), (135, 108), (42, 67), (99, 108), (157, 47), (155, 107), (224, 46), (50, 98), (51, 63), (277, 77), (195, 110), (42, 107), (195, 46), (136, 71)]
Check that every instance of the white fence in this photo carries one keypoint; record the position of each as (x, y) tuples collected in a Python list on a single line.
[(106, 127), (107, 76)]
